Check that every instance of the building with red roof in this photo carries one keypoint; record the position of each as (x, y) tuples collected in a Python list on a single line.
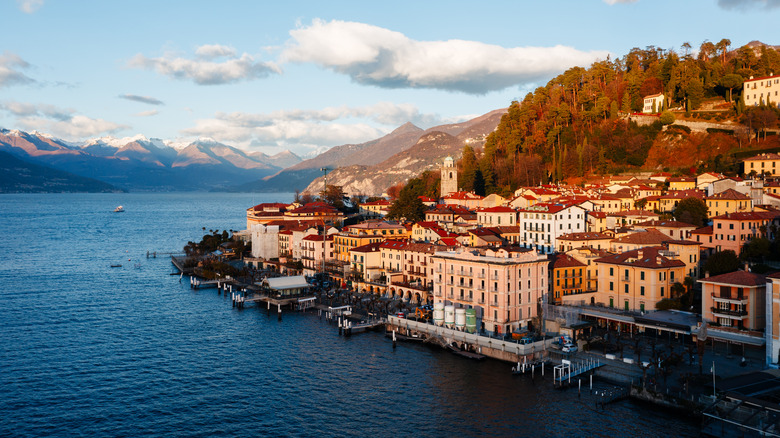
[(735, 300)]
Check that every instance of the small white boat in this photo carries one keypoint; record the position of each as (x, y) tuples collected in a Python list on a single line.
[(119, 209)]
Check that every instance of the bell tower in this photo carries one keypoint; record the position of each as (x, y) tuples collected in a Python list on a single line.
[(449, 177)]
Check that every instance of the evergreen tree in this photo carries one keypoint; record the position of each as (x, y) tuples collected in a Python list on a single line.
[(468, 169), (479, 183)]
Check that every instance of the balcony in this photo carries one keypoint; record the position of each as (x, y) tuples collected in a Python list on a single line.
[(726, 313), (464, 274), (438, 270), (450, 296), (480, 275), (729, 299), (625, 278), (480, 287), (480, 301), (494, 278)]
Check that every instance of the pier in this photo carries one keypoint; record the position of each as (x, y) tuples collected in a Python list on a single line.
[(567, 369)]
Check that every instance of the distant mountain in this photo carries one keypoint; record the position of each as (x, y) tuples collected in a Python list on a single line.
[(139, 163), (17, 176), (361, 168), (427, 153)]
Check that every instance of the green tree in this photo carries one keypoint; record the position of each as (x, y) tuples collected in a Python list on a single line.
[(479, 183), (692, 211), (408, 206), (469, 166), (694, 93), (731, 81), (755, 250), (722, 262), (333, 196), (666, 118)]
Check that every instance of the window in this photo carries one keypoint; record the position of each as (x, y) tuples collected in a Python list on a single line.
[(626, 288), (611, 287), (642, 276), (641, 290), (662, 291)]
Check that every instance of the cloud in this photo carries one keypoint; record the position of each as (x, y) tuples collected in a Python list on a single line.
[(142, 99), (10, 70), (744, 5), (21, 109), (376, 56), (612, 2), (211, 51), (29, 6), (147, 113), (77, 127), (61, 122), (307, 130), (204, 70)]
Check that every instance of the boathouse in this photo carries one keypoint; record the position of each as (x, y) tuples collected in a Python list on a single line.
[(287, 286)]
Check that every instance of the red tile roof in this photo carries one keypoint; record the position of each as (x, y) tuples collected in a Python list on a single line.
[(650, 258), (738, 278)]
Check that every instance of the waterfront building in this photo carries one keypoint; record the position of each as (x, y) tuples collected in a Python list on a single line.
[(319, 211), (504, 285), (761, 91), (265, 213), (728, 201), (735, 304), (586, 255), (762, 164), (449, 177), (637, 280), (543, 223), (366, 262), (265, 241), (567, 274), (772, 329), (316, 251), (364, 233)]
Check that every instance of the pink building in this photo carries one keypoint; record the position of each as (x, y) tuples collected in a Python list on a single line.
[(504, 285), (735, 299), (733, 230), (313, 251)]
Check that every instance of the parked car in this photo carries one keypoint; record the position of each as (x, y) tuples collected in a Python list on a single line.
[(401, 315), (569, 348)]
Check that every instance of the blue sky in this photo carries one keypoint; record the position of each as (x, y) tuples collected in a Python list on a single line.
[(305, 76)]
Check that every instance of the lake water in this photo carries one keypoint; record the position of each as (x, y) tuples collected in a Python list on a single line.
[(90, 350)]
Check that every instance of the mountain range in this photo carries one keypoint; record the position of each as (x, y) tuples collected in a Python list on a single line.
[(370, 168), (142, 164)]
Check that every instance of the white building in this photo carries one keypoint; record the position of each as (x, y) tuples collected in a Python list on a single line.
[(265, 241), (653, 102), (542, 224), (764, 90)]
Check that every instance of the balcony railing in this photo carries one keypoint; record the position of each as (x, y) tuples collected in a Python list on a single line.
[(625, 278), (480, 301), (729, 299), (464, 274), (480, 275), (438, 270), (729, 313)]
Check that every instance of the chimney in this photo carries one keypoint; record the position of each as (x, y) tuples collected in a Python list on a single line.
[(706, 274), (639, 254), (747, 268), (658, 260)]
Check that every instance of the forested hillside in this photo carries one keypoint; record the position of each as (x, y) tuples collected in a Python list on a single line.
[(580, 123)]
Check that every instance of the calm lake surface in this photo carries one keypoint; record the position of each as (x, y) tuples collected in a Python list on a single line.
[(90, 350)]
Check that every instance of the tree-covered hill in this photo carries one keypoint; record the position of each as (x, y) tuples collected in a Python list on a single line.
[(580, 123)]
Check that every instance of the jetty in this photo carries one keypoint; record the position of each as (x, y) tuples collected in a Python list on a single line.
[(564, 372)]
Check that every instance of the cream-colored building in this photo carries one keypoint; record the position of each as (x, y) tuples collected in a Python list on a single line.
[(653, 103), (761, 91), (763, 163), (504, 285)]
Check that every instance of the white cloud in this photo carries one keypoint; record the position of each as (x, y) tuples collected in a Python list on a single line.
[(211, 51), (29, 6), (147, 113), (142, 99), (203, 70), (77, 127), (744, 5), (11, 66), (306, 130), (377, 56), (60, 122), (23, 109), (612, 2)]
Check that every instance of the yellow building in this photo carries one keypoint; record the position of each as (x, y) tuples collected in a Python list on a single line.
[(567, 277), (682, 183), (728, 201), (637, 280), (364, 233), (763, 163)]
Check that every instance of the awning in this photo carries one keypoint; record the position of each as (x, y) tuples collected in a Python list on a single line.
[(285, 283)]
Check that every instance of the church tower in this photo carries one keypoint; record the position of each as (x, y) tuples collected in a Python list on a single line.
[(449, 177)]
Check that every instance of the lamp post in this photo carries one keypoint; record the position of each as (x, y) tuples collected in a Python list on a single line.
[(714, 394)]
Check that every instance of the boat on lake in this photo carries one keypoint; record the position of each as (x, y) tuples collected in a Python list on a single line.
[(119, 209)]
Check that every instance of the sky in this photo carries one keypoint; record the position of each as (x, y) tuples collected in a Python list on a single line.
[(309, 75)]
